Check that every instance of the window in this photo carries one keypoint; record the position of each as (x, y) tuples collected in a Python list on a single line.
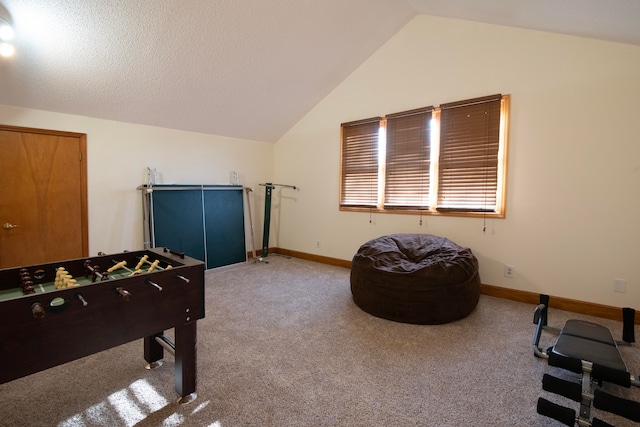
[(360, 163), (449, 159), (407, 160)]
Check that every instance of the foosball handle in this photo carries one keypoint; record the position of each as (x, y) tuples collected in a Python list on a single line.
[(125, 294), (37, 310)]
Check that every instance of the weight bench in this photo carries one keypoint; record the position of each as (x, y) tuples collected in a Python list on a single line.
[(589, 350)]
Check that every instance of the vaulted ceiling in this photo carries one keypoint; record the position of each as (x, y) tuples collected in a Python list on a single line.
[(247, 69)]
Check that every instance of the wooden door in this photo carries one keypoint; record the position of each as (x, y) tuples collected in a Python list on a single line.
[(43, 196)]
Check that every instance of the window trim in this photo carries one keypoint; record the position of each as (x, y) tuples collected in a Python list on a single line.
[(502, 174)]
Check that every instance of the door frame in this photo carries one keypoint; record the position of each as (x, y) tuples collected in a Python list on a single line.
[(82, 139)]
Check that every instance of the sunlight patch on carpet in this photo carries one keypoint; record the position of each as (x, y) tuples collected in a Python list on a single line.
[(201, 406), (148, 396), (75, 421), (126, 408), (130, 405), (97, 414), (173, 420)]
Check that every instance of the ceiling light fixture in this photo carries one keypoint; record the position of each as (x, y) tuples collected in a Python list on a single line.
[(6, 34)]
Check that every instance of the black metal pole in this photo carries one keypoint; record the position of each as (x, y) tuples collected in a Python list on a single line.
[(267, 219), (267, 214)]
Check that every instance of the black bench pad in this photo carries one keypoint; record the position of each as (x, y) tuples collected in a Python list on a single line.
[(591, 342)]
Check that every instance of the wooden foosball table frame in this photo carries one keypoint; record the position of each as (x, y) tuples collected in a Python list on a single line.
[(50, 326)]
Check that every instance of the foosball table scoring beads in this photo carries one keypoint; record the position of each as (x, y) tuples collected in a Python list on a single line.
[(65, 280)]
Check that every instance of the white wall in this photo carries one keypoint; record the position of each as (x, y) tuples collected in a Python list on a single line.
[(573, 197), (119, 153)]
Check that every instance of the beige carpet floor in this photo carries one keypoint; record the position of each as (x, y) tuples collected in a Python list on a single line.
[(283, 344)]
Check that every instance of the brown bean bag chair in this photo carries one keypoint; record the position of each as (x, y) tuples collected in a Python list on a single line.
[(415, 278)]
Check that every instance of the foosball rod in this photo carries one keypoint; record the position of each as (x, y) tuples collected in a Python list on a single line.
[(168, 345), (120, 264), (158, 287), (153, 264), (167, 268), (93, 271), (123, 264)]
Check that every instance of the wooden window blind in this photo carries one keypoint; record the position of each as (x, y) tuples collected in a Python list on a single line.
[(468, 162), (359, 178), (407, 159)]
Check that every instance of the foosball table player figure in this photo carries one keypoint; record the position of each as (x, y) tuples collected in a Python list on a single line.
[(54, 313)]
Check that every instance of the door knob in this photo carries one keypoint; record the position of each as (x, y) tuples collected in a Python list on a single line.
[(8, 226)]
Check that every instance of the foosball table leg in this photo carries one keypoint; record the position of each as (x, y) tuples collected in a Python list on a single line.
[(186, 363), (153, 352)]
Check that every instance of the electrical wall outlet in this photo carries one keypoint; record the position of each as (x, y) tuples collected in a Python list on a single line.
[(509, 270), (317, 243), (620, 285)]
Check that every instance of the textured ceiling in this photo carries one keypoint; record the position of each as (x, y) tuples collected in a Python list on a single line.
[(240, 68), (610, 20)]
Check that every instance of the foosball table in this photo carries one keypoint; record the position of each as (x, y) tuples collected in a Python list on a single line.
[(54, 313)]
